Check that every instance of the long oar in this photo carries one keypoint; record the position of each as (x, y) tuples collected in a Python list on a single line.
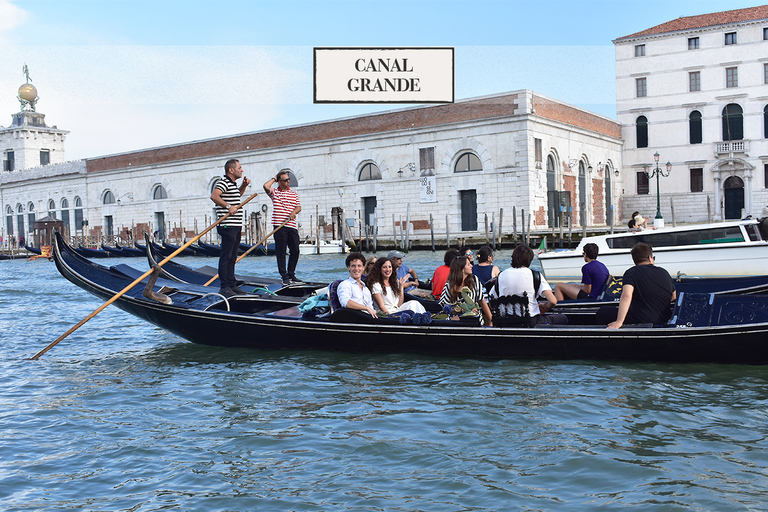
[(246, 253), (137, 281)]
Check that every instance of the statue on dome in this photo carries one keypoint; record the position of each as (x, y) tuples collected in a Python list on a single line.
[(27, 93)]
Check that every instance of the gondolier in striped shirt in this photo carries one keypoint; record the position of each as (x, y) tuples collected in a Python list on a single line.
[(285, 206), (226, 195)]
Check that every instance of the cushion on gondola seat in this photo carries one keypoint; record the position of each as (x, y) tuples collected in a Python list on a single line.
[(333, 295), (611, 289), (511, 310)]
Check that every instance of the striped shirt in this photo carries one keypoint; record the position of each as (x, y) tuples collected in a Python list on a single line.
[(231, 194), (283, 204)]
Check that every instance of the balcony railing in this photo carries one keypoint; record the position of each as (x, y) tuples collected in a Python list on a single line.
[(731, 146)]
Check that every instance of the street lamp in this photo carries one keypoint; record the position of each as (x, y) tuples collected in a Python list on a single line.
[(650, 173)]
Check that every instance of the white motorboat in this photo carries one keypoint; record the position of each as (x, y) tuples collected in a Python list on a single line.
[(723, 249), (326, 247)]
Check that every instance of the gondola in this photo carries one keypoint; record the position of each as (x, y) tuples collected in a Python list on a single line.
[(90, 252), (210, 249), (719, 329), (167, 248), (33, 250), (130, 251)]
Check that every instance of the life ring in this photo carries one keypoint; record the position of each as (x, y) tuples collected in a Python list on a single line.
[(264, 208)]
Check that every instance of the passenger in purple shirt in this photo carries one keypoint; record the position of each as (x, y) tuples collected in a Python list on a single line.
[(593, 277)]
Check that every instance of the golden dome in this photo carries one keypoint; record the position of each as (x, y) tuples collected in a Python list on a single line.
[(28, 92)]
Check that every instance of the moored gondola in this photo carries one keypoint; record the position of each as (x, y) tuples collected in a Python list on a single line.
[(725, 329)]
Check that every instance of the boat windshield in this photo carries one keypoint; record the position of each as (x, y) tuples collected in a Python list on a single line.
[(728, 234)]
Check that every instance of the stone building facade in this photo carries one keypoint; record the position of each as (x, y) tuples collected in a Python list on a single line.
[(695, 90), (452, 163)]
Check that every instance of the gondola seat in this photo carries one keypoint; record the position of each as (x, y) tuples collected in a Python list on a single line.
[(510, 311), (333, 295)]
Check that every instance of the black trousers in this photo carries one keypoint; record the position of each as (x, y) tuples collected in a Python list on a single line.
[(230, 243), (286, 237)]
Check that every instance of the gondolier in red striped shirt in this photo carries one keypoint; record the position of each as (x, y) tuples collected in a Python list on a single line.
[(285, 205)]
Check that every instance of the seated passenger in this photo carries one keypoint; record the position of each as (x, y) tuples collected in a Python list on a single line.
[(387, 289), (646, 294), (519, 279), (352, 293), (368, 266), (485, 269), (460, 277), (441, 273), (593, 277)]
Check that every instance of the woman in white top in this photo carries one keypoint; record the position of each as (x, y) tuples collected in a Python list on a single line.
[(387, 289)]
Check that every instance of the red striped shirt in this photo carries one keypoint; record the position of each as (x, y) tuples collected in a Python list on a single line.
[(283, 204)]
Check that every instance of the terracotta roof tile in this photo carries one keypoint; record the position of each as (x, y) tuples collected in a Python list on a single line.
[(705, 20)]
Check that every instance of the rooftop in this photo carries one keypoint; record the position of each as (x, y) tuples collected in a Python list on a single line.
[(704, 21)]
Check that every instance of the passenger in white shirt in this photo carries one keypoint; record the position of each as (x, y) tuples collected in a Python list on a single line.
[(387, 289), (352, 293)]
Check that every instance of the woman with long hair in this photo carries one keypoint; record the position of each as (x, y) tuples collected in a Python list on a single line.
[(459, 277), (387, 289)]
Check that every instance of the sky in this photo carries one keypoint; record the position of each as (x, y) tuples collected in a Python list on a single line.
[(125, 75)]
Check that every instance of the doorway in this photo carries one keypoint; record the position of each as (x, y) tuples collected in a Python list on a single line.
[(468, 210), (733, 191)]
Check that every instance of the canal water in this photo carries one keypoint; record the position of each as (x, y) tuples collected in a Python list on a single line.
[(124, 416)]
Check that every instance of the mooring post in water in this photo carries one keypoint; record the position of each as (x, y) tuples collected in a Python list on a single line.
[(522, 225), (514, 224), (407, 225), (447, 234), (375, 231), (709, 211), (493, 230), (432, 232), (485, 215), (501, 218)]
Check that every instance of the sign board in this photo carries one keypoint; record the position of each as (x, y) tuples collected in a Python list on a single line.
[(384, 75)]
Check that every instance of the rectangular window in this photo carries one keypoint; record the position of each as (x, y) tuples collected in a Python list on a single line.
[(730, 38), (765, 175), (45, 157), (642, 87), (639, 50), (537, 152), (693, 43), (9, 162), (765, 34), (765, 73), (694, 81), (427, 159), (697, 180), (731, 77), (642, 183)]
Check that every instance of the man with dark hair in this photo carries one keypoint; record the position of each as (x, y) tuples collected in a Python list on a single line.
[(646, 293), (521, 279), (593, 277), (352, 292), (285, 206), (226, 196)]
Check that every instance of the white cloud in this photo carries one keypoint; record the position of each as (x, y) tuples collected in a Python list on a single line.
[(11, 16)]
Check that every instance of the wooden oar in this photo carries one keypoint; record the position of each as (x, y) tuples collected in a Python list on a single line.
[(137, 281), (246, 253)]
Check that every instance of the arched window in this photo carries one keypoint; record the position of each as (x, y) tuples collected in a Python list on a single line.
[(31, 216), (8, 219), (78, 213), (765, 122), (641, 125), (733, 122), (694, 127), (369, 171), (553, 210), (109, 197), (65, 214), (159, 193), (468, 162)]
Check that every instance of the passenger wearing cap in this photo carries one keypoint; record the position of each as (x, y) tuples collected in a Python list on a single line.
[(403, 270)]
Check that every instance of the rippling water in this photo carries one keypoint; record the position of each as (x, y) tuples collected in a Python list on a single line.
[(123, 416)]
